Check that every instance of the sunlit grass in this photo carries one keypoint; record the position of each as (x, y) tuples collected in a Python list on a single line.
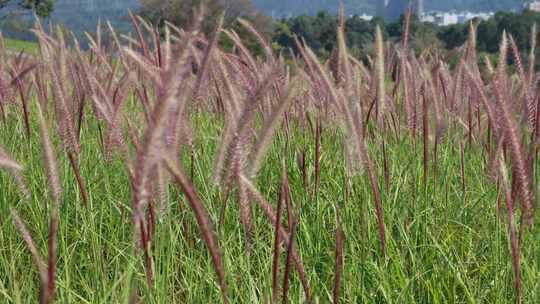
[(18, 46), (442, 247)]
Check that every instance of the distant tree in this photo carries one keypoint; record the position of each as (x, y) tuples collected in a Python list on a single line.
[(358, 33), (380, 22), (262, 23), (454, 35), (41, 8), (319, 32), (425, 36), (182, 12), (282, 34), (488, 36), (517, 25)]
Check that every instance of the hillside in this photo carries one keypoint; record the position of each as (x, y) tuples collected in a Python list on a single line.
[(83, 15), (78, 16)]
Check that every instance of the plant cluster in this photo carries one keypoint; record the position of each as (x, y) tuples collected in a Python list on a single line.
[(144, 93)]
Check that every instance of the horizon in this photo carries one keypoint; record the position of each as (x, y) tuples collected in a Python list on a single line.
[(83, 15)]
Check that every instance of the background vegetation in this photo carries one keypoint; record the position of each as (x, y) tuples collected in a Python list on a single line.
[(204, 164), (311, 7), (318, 29)]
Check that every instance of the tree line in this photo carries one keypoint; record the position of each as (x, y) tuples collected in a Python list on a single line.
[(318, 30), (299, 7)]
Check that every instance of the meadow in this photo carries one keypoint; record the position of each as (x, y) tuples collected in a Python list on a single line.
[(163, 168)]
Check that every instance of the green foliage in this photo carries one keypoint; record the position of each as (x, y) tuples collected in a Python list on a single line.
[(311, 7), (447, 239), (319, 32), (445, 248), (454, 36), (183, 12), (15, 45), (42, 8)]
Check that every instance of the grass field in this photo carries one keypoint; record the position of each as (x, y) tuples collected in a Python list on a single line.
[(142, 238), (17, 46), (444, 246)]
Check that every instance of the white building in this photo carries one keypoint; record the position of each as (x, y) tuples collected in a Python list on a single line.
[(533, 6), (441, 18), (466, 16), (428, 18), (366, 17), (450, 18)]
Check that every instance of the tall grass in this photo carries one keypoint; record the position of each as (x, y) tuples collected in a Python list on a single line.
[(139, 105)]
